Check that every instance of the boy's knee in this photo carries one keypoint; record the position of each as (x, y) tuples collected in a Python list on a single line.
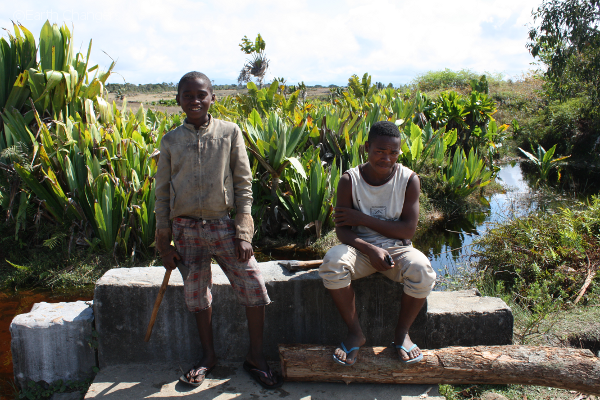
[(334, 270), (419, 276)]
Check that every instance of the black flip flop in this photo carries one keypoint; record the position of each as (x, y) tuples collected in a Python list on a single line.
[(183, 378), (256, 374)]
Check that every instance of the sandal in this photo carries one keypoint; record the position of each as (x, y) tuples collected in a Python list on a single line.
[(256, 374), (200, 371), (344, 363), (411, 360)]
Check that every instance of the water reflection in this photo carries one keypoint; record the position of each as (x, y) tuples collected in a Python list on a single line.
[(451, 243), (576, 179)]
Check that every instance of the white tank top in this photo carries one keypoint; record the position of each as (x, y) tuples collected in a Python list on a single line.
[(384, 201)]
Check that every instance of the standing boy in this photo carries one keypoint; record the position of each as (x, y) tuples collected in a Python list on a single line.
[(203, 173), (375, 217)]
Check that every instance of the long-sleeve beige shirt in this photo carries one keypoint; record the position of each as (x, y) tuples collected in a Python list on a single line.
[(203, 173)]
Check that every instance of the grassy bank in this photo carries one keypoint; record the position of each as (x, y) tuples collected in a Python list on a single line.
[(544, 266), (51, 265)]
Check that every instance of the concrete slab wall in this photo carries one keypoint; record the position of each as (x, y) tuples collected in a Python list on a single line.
[(302, 312), (50, 343)]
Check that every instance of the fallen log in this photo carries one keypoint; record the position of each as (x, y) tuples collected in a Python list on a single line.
[(566, 368)]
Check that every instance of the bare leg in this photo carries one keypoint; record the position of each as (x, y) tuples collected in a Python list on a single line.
[(409, 309), (344, 301), (256, 323), (209, 357)]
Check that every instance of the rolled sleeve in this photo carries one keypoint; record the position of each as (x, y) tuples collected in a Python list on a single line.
[(244, 227)]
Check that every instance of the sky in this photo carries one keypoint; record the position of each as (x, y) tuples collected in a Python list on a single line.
[(315, 41)]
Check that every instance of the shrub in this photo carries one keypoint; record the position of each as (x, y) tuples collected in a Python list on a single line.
[(569, 125), (542, 260), (448, 79)]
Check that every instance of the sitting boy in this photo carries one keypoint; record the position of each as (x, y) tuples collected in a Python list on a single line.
[(375, 217), (203, 172)]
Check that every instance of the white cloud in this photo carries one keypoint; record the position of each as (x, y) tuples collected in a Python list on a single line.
[(310, 40)]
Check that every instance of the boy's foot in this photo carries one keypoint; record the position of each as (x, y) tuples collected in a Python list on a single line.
[(408, 352), (198, 372), (262, 373), (196, 375), (349, 358), (267, 378)]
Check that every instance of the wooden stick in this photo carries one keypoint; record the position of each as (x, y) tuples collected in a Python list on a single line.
[(588, 281), (161, 293), (574, 369), (591, 272)]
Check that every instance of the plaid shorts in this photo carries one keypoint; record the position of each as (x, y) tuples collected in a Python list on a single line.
[(197, 242)]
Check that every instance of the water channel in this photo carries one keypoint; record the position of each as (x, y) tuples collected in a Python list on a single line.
[(448, 247)]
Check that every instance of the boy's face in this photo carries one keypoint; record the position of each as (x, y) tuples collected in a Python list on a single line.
[(383, 153), (195, 97)]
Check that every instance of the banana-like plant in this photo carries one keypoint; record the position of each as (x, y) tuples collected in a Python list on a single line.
[(274, 143), (465, 174), (544, 161), (343, 135), (362, 88), (480, 108), (266, 100), (101, 175), (17, 55), (310, 198), (401, 110), (58, 85), (418, 145), (61, 84)]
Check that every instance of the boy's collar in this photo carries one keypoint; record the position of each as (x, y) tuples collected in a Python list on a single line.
[(192, 127)]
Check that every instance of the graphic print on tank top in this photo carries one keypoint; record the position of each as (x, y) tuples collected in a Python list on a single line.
[(383, 202), (378, 212)]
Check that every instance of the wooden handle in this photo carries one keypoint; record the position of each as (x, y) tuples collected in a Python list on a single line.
[(308, 264), (161, 293)]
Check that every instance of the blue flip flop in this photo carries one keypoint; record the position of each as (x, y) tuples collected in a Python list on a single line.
[(346, 364), (412, 360)]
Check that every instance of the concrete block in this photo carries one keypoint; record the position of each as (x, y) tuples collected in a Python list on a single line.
[(302, 312), (51, 343), (465, 318)]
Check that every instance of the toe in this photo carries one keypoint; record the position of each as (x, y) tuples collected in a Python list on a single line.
[(340, 354), (269, 381), (415, 353)]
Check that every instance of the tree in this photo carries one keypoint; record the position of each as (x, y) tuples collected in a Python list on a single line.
[(567, 41), (258, 64)]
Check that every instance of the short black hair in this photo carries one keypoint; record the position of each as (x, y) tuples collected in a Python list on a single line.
[(194, 75), (383, 128)]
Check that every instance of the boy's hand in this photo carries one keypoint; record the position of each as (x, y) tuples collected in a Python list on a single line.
[(343, 216), (168, 253), (377, 256), (170, 257), (243, 250)]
